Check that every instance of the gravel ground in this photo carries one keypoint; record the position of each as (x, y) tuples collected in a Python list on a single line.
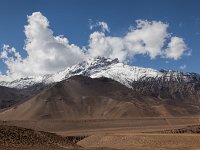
[(144, 141)]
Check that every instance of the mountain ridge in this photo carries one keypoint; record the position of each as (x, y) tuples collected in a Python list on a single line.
[(104, 67)]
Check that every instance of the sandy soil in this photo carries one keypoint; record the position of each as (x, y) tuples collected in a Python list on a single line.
[(144, 141), (141, 124)]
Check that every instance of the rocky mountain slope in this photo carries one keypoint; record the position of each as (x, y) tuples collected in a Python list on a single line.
[(172, 86), (82, 97)]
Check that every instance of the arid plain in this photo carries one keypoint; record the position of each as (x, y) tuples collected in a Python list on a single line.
[(137, 133)]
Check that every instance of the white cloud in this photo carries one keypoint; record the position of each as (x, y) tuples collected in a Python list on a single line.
[(183, 67), (7, 50), (112, 47), (103, 25), (4, 54), (176, 48), (48, 53), (148, 38)]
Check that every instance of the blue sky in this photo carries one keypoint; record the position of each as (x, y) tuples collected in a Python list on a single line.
[(71, 19)]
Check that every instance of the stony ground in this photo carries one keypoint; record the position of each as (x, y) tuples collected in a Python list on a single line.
[(194, 129), (12, 137), (18, 138)]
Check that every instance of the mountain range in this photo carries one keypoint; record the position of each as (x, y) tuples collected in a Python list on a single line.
[(101, 88)]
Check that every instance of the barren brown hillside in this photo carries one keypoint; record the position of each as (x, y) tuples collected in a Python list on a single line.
[(82, 97)]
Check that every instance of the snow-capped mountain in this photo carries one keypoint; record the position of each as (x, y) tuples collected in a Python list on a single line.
[(150, 92), (105, 67)]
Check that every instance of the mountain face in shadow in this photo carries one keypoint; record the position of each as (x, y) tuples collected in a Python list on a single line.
[(10, 96)]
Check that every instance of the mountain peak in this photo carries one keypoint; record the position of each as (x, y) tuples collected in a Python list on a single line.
[(102, 60), (98, 62)]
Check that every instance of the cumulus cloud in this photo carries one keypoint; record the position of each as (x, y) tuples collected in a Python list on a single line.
[(103, 25), (176, 48), (47, 53), (12, 51), (147, 38)]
